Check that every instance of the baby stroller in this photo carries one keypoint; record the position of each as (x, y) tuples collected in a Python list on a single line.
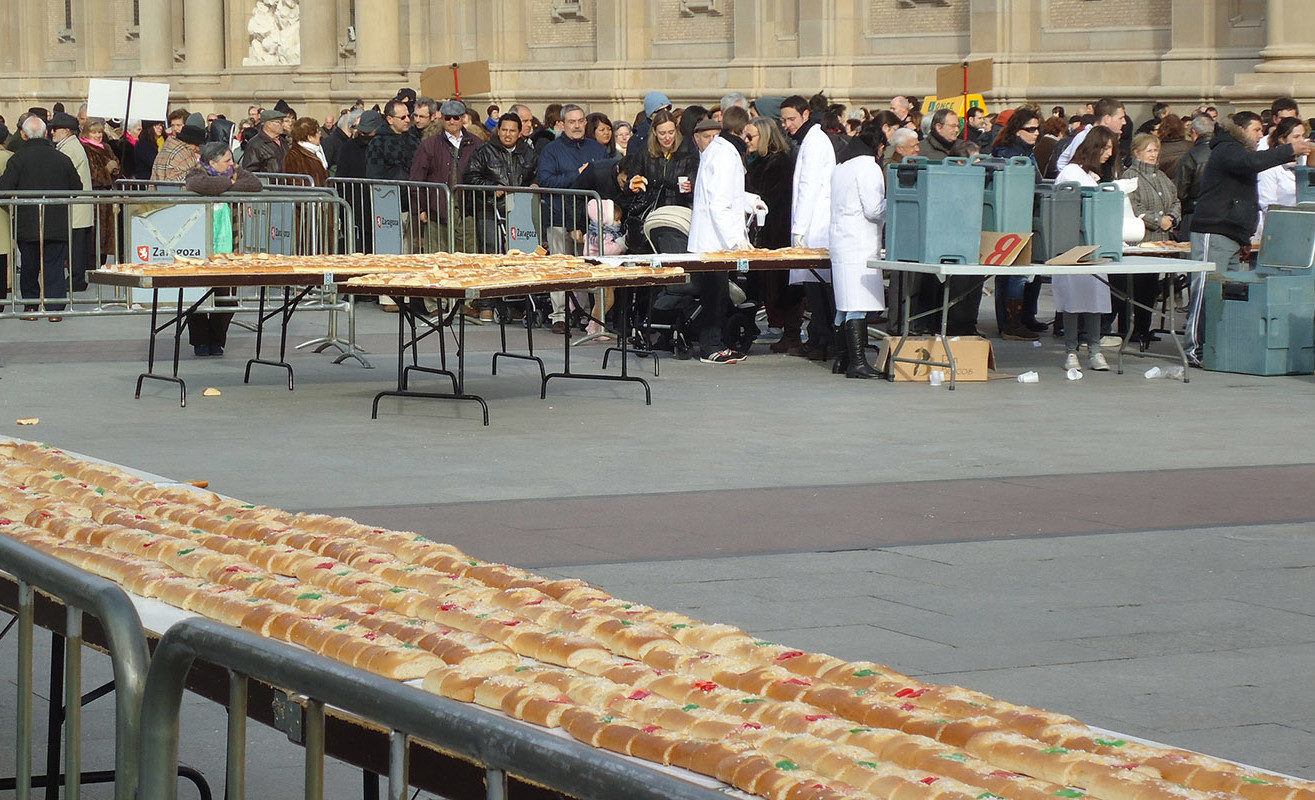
[(673, 321)]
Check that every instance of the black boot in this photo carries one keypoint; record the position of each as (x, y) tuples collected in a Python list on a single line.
[(841, 346), (856, 341)]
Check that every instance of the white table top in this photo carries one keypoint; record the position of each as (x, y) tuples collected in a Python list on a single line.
[(1130, 265)]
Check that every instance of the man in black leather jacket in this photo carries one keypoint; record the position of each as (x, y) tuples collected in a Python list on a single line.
[(505, 160)]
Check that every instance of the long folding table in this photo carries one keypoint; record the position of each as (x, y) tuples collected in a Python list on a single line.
[(1130, 265), (413, 325)]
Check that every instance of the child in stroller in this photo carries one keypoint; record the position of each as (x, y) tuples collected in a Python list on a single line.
[(674, 321)]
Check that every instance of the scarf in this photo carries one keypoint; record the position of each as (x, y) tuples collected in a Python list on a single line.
[(317, 150)]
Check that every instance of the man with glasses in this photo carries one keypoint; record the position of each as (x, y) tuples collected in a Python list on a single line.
[(444, 158), (264, 153), (390, 153), (560, 164), (944, 130)]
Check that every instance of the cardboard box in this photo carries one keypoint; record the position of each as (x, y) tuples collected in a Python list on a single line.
[(973, 358)]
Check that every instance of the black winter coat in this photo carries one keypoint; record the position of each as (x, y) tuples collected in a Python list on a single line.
[(771, 177), (1229, 202), (351, 158), (663, 188), (495, 165), (38, 166)]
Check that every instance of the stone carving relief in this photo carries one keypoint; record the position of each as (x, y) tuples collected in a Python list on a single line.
[(274, 31)]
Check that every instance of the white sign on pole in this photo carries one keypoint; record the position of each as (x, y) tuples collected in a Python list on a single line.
[(110, 99)]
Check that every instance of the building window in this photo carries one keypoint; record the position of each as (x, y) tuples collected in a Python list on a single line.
[(563, 10), (66, 32), (689, 8)]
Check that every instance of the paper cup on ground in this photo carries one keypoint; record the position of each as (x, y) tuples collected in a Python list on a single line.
[(936, 378), (1029, 377), (1074, 374)]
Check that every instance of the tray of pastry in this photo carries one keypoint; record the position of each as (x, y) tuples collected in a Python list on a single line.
[(766, 718)]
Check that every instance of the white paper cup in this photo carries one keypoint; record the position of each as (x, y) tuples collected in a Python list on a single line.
[(1029, 377), (1074, 374), (683, 183), (936, 378), (1153, 372)]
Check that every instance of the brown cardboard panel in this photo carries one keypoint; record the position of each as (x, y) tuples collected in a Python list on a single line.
[(973, 358)]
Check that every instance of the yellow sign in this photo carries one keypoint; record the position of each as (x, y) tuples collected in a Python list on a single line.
[(959, 105)]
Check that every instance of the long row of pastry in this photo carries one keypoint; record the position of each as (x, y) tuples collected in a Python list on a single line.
[(568, 623)]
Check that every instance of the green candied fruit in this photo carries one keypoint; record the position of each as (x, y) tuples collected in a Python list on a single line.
[(606, 720), (1070, 793), (342, 574), (228, 516), (627, 622), (248, 505), (197, 530), (787, 765), (989, 796), (868, 764), (419, 539), (397, 590), (940, 721), (1111, 742), (522, 669), (867, 673), (310, 596), (473, 563), (100, 490), (57, 477), (627, 606), (481, 616), (556, 632), (186, 550), (764, 643), (1055, 751), (860, 730), (679, 626), (1255, 780), (748, 700), (406, 646), (953, 756), (976, 704), (860, 692), (342, 627), (690, 707)]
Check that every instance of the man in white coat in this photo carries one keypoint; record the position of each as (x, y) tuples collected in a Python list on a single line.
[(810, 215), (716, 223), (858, 211)]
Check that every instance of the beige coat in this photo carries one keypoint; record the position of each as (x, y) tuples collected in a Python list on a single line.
[(71, 147), (5, 233)]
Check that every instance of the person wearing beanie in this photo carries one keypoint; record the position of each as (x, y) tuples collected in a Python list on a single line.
[(264, 152), (653, 103), (180, 153)]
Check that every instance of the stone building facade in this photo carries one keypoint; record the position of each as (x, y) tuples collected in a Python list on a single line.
[(606, 54)]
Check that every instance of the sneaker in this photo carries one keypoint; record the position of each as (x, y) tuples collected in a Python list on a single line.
[(1071, 361), (201, 350), (1111, 341), (1098, 363), (724, 357), (1194, 360), (769, 335)]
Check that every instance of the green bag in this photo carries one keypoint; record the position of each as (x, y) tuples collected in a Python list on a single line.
[(222, 233)]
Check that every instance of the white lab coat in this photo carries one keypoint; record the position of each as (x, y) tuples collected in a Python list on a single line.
[(858, 211), (810, 201), (1079, 294), (717, 221), (1276, 186)]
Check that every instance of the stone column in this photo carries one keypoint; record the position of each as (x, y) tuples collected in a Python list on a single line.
[(378, 37), (319, 35), (1188, 67), (94, 28), (157, 26), (1290, 35), (1287, 64), (203, 23)]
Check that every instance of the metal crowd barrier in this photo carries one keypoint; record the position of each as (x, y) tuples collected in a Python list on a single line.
[(288, 219), (80, 593), (387, 215), (498, 745)]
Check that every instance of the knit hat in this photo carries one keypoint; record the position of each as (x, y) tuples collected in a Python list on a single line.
[(193, 131), (769, 106), (653, 101), (371, 122)]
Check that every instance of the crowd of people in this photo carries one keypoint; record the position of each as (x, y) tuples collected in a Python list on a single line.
[(771, 173)]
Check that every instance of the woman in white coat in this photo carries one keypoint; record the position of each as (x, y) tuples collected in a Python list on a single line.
[(1277, 186), (858, 211), (1083, 298)]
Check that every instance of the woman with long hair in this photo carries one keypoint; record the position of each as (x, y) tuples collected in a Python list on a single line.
[(599, 128), (664, 177), (1082, 299), (769, 173)]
